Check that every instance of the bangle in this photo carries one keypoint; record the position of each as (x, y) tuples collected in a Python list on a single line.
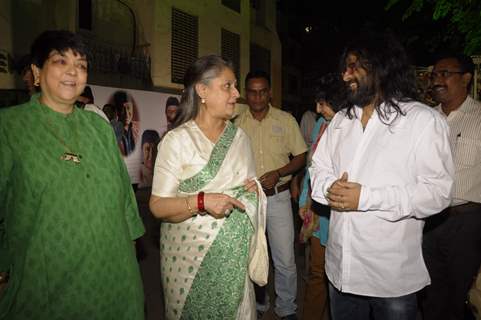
[(200, 201), (192, 213)]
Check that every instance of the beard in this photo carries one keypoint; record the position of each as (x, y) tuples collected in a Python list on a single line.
[(362, 96)]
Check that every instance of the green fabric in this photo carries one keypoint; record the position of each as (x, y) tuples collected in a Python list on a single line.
[(204, 176), (66, 229), (218, 287)]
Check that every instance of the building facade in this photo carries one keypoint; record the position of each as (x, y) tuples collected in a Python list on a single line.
[(147, 44)]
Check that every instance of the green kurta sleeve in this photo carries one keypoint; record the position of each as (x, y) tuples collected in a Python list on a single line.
[(6, 165)]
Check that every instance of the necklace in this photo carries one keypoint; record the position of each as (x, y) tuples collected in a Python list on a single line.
[(68, 155)]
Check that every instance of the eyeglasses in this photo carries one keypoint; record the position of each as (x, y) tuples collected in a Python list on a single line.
[(443, 74), (263, 92)]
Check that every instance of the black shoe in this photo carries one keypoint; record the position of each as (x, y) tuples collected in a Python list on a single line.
[(260, 314), (290, 317)]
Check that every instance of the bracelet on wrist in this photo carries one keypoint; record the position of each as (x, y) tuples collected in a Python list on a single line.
[(200, 201), (192, 213)]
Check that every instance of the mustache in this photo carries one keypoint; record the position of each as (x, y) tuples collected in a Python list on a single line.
[(348, 84), (438, 87)]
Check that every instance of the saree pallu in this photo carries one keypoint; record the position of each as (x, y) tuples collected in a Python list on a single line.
[(205, 262)]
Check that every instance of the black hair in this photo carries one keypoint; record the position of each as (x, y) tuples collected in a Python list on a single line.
[(466, 64), (201, 70), (87, 93), (330, 89), (258, 74), (150, 136), (109, 110), (56, 40), (172, 101), (387, 64)]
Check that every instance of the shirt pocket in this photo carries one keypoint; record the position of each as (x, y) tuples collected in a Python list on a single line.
[(467, 152), (277, 140)]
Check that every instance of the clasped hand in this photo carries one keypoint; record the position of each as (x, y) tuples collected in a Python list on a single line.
[(343, 195), (269, 179), (220, 205)]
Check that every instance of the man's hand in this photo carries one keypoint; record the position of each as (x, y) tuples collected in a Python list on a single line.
[(343, 195), (270, 179)]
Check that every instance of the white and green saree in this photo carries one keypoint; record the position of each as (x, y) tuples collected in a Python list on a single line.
[(207, 264)]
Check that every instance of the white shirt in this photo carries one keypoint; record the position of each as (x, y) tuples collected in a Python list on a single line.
[(406, 172), (93, 108), (308, 122), (465, 138)]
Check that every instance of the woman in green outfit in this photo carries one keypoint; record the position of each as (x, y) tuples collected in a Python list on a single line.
[(68, 216), (212, 241)]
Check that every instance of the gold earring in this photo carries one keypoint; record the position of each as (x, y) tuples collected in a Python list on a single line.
[(36, 82), (202, 101)]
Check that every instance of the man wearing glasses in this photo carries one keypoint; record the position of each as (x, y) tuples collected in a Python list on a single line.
[(452, 239), (275, 136)]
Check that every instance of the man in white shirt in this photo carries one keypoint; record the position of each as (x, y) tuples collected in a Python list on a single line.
[(383, 164), (452, 240)]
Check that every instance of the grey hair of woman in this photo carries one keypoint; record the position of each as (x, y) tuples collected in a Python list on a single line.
[(202, 70)]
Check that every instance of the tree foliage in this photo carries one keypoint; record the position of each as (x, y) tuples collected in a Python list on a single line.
[(463, 15)]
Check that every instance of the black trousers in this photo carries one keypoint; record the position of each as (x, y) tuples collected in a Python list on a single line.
[(452, 252)]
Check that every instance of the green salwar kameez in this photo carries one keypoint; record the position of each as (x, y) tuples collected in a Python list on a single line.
[(66, 228)]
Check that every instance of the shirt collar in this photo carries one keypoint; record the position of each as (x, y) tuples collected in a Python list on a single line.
[(268, 115), (465, 107)]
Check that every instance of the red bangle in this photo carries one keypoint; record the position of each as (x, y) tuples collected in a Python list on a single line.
[(200, 201)]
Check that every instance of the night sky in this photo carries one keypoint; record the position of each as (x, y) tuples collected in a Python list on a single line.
[(335, 22)]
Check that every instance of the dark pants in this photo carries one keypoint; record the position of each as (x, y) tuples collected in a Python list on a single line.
[(452, 252), (315, 295), (345, 306)]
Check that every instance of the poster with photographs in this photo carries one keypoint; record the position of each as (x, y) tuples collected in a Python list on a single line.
[(139, 119)]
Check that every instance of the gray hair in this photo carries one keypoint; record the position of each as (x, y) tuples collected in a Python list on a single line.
[(202, 70)]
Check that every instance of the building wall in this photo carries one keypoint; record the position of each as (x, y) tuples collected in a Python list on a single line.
[(213, 16), (22, 20), (6, 45), (264, 34)]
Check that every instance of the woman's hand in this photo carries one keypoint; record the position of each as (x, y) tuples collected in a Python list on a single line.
[(250, 185), (296, 188), (302, 213), (220, 205)]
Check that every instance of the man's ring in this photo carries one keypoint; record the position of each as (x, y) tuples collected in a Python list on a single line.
[(227, 213)]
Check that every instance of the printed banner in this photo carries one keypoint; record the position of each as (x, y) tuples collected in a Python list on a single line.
[(139, 122)]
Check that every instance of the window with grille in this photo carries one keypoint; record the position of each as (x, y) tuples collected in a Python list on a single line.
[(260, 58), (232, 4), (185, 43), (230, 49)]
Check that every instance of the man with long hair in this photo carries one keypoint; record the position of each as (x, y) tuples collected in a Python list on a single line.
[(383, 164)]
